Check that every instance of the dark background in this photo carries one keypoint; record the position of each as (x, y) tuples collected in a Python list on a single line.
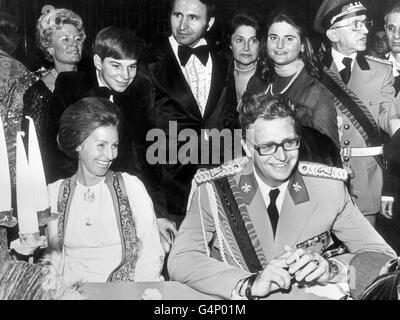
[(149, 18)]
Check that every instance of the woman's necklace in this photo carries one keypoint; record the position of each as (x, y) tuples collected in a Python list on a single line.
[(89, 198), (269, 89), (252, 67)]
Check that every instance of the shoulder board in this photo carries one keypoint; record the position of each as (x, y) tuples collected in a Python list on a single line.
[(379, 60), (227, 169), (321, 170)]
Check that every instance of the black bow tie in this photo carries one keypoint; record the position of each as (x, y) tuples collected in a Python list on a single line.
[(104, 92), (201, 52)]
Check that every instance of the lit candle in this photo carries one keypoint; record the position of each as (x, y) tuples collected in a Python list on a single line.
[(26, 205), (5, 182), (36, 169)]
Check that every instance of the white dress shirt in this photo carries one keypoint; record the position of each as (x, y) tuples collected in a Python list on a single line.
[(338, 58), (396, 64), (265, 189), (196, 74), (103, 84)]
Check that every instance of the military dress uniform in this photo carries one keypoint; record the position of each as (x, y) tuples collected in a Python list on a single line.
[(371, 89), (227, 233), (365, 101)]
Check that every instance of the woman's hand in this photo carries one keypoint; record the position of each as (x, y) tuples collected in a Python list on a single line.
[(168, 232)]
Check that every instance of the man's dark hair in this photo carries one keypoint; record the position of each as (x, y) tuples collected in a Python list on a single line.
[(117, 43), (210, 7), (9, 37), (264, 106)]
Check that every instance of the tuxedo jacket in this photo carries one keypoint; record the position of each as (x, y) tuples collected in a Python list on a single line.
[(372, 82), (132, 103), (315, 202), (174, 103)]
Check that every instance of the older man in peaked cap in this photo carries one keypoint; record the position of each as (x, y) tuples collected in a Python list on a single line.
[(363, 86)]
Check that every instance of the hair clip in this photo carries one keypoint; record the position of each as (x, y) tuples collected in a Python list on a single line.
[(47, 9)]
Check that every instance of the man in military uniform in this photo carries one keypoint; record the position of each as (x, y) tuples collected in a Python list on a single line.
[(363, 87), (259, 225), (392, 25)]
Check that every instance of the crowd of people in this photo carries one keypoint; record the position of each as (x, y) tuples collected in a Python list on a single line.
[(304, 200)]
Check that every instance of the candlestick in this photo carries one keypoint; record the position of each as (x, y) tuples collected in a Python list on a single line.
[(6, 218), (38, 179), (27, 216), (5, 182)]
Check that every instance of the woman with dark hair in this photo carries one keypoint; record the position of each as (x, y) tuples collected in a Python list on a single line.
[(60, 36), (245, 33), (107, 229), (289, 66)]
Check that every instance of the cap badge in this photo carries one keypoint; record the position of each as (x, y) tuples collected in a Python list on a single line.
[(348, 9)]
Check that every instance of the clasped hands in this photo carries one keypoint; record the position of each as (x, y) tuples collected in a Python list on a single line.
[(297, 265)]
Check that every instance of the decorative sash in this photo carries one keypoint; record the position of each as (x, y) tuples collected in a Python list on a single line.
[(237, 226), (351, 106), (131, 245)]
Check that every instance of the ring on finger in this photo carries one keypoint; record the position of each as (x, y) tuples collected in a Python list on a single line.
[(316, 262)]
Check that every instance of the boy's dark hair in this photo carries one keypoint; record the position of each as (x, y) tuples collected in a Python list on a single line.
[(117, 43)]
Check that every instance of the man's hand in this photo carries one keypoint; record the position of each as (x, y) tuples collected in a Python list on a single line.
[(168, 232), (307, 266), (273, 277)]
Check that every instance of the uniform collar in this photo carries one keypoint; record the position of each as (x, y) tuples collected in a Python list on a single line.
[(396, 64), (297, 188), (338, 58), (249, 184)]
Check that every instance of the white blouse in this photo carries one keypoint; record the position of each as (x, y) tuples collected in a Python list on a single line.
[(92, 244)]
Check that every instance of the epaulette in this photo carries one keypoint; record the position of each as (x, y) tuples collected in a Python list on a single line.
[(227, 169), (321, 170), (385, 61)]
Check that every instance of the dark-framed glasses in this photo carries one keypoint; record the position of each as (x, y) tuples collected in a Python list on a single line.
[(357, 25), (270, 148)]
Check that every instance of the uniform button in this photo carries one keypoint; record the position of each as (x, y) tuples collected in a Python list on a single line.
[(347, 126), (346, 159), (346, 142), (371, 103)]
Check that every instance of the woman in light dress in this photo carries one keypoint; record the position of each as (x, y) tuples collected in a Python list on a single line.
[(107, 230)]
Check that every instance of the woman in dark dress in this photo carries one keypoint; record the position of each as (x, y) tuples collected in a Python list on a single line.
[(245, 33), (60, 36), (289, 66)]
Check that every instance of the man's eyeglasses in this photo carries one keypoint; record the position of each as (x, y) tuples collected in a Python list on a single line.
[(357, 25), (270, 148)]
